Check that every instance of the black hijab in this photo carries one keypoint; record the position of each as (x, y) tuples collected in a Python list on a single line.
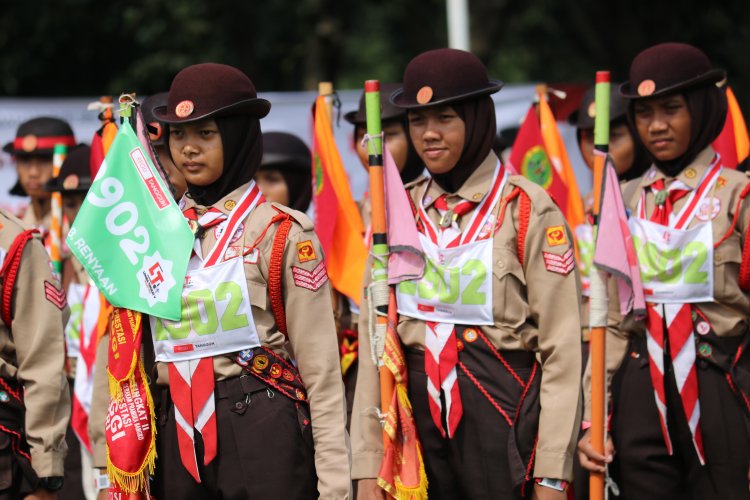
[(708, 111), (243, 149), (479, 118)]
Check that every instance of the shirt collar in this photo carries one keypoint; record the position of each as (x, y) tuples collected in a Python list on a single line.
[(690, 175), (224, 205)]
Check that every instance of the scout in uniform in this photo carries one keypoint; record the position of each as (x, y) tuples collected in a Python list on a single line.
[(488, 331), (274, 426), (285, 173), (73, 182), (678, 378), (158, 137), (32, 152), (34, 397)]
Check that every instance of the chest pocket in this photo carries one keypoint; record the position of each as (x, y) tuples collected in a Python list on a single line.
[(727, 259), (509, 302)]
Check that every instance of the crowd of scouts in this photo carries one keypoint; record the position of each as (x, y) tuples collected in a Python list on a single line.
[(497, 376)]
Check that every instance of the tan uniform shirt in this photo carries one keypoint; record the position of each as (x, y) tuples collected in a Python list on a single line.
[(34, 352), (729, 311), (534, 309), (30, 219), (311, 342)]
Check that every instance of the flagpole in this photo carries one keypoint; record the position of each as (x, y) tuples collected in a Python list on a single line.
[(59, 153), (379, 287), (598, 303)]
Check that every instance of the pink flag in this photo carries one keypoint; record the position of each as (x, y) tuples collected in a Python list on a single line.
[(406, 261), (615, 252)]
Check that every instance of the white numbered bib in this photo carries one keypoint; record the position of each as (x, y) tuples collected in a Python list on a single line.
[(216, 315), (676, 265), (456, 286)]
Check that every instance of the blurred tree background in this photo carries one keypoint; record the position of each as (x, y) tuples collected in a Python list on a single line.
[(86, 47)]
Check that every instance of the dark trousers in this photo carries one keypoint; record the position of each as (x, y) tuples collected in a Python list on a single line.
[(643, 468), (485, 458), (17, 478), (73, 486), (265, 447)]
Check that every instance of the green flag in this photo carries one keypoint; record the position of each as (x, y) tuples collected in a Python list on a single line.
[(130, 235)]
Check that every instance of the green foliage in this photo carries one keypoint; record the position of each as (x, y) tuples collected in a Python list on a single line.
[(86, 47)]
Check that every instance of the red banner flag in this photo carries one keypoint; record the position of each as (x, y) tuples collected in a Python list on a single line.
[(733, 143)]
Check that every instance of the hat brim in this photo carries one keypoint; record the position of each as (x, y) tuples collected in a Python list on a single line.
[(715, 75), (54, 186), (351, 117), (255, 107), (398, 99), (272, 161)]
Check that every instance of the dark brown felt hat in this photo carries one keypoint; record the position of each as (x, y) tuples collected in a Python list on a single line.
[(667, 68), (443, 76), (281, 148), (155, 129), (584, 116), (38, 137), (208, 90), (75, 173), (387, 110)]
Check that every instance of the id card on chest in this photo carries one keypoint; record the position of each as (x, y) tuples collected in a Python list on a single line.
[(676, 264), (456, 286), (216, 315)]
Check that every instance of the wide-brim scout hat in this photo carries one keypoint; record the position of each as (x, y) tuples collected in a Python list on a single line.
[(281, 148), (38, 137), (209, 90), (443, 76), (387, 110), (584, 116), (75, 173), (155, 130), (668, 68)]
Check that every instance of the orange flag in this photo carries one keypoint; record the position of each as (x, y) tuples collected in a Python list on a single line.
[(733, 143), (557, 154), (337, 220)]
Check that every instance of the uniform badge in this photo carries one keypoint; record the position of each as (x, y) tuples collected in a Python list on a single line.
[(591, 111), (244, 357), (230, 204), (71, 182), (260, 363), (560, 264), (250, 256), (708, 209), (55, 295), (704, 350), (487, 228), (312, 280), (690, 173), (460, 345), (556, 236), (477, 196), (275, 370), (219, 230), (721, 182), (646, 87), (703, 328), (287, 375), (306, 251), (424, 95), (4, 398), (300, 394), (29, 143), (471, 335), (184, 109)]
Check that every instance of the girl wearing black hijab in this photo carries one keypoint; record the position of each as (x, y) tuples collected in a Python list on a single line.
[(255, 409), (679, 377), (498, 290), (285, 173)]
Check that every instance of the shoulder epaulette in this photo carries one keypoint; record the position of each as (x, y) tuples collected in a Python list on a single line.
[(299, 217)]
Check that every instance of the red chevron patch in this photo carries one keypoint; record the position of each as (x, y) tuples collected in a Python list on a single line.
[(312, 280), (560, 264), (55, 295)]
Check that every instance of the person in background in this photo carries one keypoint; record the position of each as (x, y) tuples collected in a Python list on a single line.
[(285, 173), (158, 133)]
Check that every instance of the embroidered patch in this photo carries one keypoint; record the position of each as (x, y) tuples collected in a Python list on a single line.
[(219, 230), (556, 236), (275, 370), (184, 109), (55, 295), (244, 357), (248, 256), (260, 363), (708, 209), (721, 182), (312, 280), (470, 335), (306, 251), (703, 328), (560, 264)]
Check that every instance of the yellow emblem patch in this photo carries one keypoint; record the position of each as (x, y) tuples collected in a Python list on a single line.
[(556, 236), (306, 251)]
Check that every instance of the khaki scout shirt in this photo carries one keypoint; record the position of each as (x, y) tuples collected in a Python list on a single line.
[(729, 311), (29, 218), (311, 342), (535, 310), (34, 352)]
